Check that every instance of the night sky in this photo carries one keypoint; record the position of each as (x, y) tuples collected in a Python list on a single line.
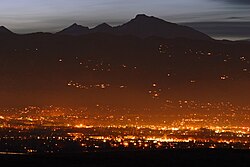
[(24, 16)]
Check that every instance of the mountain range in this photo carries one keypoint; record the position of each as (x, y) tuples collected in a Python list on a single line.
[(135, 64), (142, 26)]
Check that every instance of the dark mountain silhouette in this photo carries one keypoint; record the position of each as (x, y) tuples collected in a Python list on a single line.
[(142, 26), (145, 26), (104, 28), (4, 30), (75, 29), (43, 68)]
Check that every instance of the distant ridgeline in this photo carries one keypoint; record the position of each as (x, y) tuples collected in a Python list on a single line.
[(141, 26)]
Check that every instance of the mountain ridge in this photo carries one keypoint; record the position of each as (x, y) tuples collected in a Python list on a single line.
[(142, 26)]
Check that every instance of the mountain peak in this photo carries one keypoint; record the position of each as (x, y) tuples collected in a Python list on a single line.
[(75, 25), (145, 19), (75, 29), (147, 26), (142, 16), (104, 27)]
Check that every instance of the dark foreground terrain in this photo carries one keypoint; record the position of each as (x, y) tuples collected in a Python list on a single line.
[(175, 158)]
